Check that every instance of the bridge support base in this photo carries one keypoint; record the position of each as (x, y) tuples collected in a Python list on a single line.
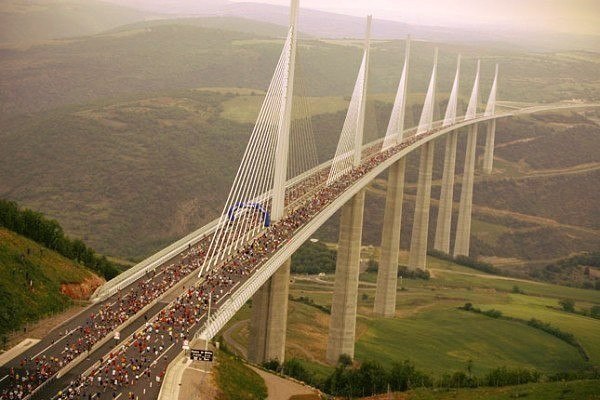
[(444, 217), (418, 245), (387, 275), (269, 318), (488, 157), (342, 325), (463, 227)]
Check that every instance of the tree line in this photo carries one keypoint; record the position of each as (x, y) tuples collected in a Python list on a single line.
[(353, 380), (48, 232)]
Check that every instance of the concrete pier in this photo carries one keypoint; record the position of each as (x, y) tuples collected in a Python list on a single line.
[(488, 156), (269, 318), (444, 218), (418, 245), (342, 325), (463, 228), (387, 275)]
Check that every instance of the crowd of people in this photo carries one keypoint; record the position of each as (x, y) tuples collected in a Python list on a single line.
[(139, 355), (31, 372), (186, 312)]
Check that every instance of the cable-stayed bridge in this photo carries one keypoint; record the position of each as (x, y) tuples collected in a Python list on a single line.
[(280, 196)]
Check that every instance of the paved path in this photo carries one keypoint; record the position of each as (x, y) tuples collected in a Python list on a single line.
[(280, 388)]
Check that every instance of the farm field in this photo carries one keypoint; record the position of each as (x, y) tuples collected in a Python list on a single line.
[(576, 390), (430, 330)]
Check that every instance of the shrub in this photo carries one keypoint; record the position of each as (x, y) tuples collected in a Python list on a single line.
[(407, 273), (272, 365), (310, 302), (554, 331), (492, 313), (517, 290), (296, 370), (372, 265), (404, 376), (505, 377), (567, 305)]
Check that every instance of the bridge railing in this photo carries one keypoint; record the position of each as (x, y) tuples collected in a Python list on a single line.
[(134, 273), (154, 261)]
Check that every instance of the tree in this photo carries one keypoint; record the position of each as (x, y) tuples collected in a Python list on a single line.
[(345, 360), (372, 265), (567, 305)]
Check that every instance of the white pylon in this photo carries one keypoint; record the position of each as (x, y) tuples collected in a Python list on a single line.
[(285, 122), (349, 149), (450, 116), (360, 126), (395, 128), (472, 108), (426, 121), (490, 109)]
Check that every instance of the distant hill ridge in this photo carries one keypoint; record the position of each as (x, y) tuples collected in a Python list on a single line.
[(24, 22)]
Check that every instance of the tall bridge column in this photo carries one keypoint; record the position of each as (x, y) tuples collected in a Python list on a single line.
[(463, 228), (488, 156), (269, 318), (444, 218), (342, 325), (387, 275), (418, 245)]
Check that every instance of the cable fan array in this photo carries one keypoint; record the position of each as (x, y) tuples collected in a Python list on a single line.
[(395, 129), (247, 210), (303, 150), (344, 154), (426, 121)]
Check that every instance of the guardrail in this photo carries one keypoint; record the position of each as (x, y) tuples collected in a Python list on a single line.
[(149, 264)]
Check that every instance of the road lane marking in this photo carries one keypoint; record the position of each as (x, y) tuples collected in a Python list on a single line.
[(56, 342)]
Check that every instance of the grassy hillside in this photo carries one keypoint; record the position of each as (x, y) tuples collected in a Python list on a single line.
[(27, 22), (236, 381), (35, 281)]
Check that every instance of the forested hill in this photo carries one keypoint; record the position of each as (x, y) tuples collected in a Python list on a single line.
[(48, 233)]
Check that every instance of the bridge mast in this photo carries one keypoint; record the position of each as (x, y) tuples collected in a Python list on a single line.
[(490, 110), (463, 226), (444, 217), (268, 323), (360, 126), (387, 275), (418, 245), (342, 325), (285, 122)]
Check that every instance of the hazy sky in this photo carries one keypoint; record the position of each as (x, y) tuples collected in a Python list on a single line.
[(574, 16)]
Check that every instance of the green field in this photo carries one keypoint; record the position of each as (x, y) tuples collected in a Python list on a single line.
[(431, 331), (444, 340), (439, 339), (576, 390)]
